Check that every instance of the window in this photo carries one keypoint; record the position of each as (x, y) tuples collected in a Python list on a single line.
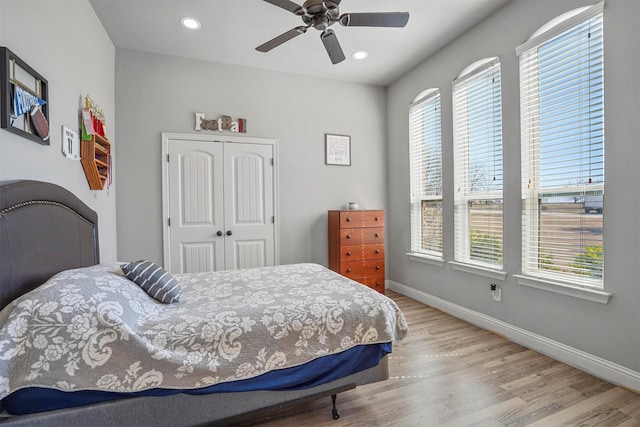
[(477, 121), (426, 174), (562, 126)]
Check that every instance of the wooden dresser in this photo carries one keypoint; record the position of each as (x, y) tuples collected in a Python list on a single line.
[(356, 246)]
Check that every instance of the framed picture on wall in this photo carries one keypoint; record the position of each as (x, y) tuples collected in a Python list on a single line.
[(24, 96), (337, 149)]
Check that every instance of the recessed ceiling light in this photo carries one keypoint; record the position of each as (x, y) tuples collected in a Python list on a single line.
[(361, 54), (190, 23)]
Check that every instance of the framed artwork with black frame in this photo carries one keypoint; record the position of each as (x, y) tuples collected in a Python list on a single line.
[(18, 81), (337, 149)]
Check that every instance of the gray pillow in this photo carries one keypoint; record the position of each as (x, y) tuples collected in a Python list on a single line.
[(155, 280)]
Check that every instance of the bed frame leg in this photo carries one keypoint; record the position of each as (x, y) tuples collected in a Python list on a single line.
[(334, 410)]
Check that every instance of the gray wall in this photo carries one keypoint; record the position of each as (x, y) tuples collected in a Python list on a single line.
[(65, 42), (156, 93), (609, 331)]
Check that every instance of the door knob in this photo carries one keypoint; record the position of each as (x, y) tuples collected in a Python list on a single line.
[(219, 233), (229, 233)]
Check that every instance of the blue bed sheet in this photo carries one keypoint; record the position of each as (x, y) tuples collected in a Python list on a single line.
[(319, 371)]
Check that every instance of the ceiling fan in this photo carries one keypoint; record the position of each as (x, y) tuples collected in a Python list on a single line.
[(321, 15)]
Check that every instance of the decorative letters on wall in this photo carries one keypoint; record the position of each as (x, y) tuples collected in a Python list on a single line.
[(221, 124)]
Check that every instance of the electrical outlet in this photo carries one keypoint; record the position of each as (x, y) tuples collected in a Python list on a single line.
[(497, 294)]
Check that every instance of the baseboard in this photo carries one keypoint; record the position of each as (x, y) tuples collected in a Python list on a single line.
[(584, 361)]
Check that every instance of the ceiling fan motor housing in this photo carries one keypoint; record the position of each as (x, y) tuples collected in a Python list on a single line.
[(320, 14)]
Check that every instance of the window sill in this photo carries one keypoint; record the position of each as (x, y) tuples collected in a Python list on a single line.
[(426, 259), (476, 269), (576, 291)]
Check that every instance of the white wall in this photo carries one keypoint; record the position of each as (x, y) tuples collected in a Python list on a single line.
[(156, 93), (611, 331), (65, 42)]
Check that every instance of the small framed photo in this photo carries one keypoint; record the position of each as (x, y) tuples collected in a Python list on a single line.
[(337, 150), (70, 144)]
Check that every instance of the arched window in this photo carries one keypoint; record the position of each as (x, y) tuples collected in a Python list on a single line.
[(426, 173), (562, 128), (477, 125)]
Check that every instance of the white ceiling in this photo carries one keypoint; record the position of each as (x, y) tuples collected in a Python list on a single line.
[(231, 30)]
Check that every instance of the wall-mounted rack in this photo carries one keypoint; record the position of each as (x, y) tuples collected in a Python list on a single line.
[(95, 156)]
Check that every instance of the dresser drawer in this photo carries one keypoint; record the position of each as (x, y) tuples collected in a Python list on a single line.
[(351, 219), (358, 236), (361, 252), (374, 282), (357, 219), (355, 269), (373, 251), (373, 219)]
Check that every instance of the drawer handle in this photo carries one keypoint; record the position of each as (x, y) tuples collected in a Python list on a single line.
[(348, 270), (376, 219), (349, 253), (377, 267), (377, 251), (377, 234), (348, 219), (348, 236), (377, 283)]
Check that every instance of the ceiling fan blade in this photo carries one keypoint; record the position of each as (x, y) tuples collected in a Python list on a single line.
[(284, 37), (287, 5), (373, 19), (332, 46)]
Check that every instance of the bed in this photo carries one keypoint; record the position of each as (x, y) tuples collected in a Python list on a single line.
[(49, 248)]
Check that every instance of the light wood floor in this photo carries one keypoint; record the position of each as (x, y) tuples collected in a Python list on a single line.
[(447, 372)]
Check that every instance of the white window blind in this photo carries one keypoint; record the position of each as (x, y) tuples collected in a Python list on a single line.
[(562, 126), (477, 121), (426, 174)]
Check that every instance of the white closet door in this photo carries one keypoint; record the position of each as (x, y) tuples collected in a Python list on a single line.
[(220, 200), (249, 206), (196, 210)]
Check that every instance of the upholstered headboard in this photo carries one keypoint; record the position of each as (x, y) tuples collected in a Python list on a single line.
[(44, 229)]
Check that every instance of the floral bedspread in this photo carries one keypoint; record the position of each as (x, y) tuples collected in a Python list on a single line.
[(93, 329)]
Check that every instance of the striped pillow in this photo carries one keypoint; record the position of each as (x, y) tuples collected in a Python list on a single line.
[(155, 281)]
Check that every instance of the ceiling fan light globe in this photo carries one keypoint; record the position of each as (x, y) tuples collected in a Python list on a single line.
[(321, 23)]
